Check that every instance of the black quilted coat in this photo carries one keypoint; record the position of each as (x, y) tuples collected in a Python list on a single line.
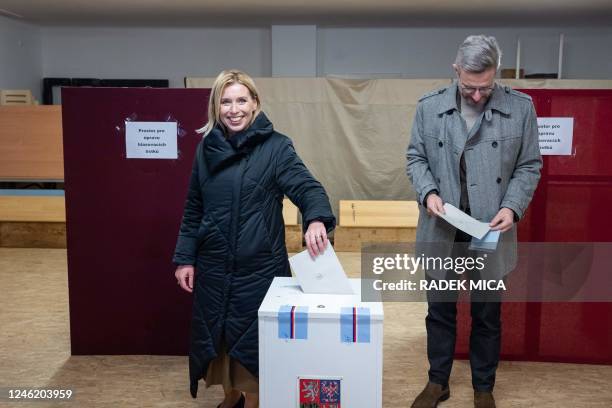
[(233, 232)]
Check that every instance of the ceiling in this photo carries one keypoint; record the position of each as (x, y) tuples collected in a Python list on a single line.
[(481, 13)]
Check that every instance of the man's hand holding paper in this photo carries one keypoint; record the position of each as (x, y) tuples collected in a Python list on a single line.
[(503, 220), (464, 222), (484, 236)]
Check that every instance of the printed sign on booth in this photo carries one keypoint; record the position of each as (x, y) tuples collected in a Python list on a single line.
[(151, 140), (556, 136)]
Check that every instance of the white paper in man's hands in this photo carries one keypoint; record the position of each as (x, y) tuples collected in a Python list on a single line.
[(323, 274), (464, 222), (487, 244)]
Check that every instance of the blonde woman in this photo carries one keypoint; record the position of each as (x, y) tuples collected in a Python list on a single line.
[(231, 242)]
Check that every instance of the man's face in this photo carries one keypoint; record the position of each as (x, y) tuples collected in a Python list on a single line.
[(476, 88)]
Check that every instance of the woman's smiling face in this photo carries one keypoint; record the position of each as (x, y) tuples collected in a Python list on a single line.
[(237, 108)]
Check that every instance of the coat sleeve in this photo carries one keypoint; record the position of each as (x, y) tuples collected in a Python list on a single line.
[(526, 172), (417, 166), (296, 182), (186, 245)]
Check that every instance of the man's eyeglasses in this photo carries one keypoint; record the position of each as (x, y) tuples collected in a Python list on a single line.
[(471, 90)]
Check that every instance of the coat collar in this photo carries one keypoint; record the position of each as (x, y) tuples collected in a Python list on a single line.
[(498, 101), (219, 150)]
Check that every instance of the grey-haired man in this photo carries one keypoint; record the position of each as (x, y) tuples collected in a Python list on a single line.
[(474, 145)]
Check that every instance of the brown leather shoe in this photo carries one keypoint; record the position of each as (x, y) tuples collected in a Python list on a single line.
[(431, 396), (483, 400), (239, 404)]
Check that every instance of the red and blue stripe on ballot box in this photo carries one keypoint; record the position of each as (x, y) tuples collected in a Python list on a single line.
[(354, 323)]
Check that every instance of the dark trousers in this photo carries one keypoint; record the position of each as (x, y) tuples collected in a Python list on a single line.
[(485, 337)]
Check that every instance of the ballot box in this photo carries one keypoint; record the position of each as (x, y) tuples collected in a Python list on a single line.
[(319, 350)]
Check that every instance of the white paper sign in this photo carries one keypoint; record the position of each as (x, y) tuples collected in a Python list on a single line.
[(150, 140), (556, 135)]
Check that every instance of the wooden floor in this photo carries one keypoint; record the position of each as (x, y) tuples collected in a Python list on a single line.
[(35, 352)]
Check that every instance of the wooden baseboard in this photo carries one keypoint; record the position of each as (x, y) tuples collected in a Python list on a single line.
[(32, 234)]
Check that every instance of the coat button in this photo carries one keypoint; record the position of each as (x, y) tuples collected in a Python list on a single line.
[(498, 180), (494, 144), (438, 180), (440, 144)]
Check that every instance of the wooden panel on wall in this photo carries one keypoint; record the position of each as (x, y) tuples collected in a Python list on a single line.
[(369, 213), (293, 230), (290, 212), (32, 208), (31, 143), (293, 238), (350, 239)]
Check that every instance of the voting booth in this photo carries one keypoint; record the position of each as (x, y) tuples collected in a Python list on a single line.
[(319, 350), (123, 211), (566, 207)]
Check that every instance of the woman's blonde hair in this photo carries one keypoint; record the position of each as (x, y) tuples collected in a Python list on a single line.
[(225, 78)]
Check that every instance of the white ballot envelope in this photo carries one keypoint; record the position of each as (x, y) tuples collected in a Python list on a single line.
[(323, 274), (464, 222)]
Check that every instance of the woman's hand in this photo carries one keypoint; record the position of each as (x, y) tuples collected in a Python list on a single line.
[(316, 238), (184, 277)]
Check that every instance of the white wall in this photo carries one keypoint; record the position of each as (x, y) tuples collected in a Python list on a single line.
[(429, 52), (294, 51), (20, 56), (154, 53), (173, 53)]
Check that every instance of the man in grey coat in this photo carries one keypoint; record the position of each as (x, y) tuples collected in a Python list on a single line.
[(474, 145)]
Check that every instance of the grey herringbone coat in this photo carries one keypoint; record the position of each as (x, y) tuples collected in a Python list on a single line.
[(502, 159)]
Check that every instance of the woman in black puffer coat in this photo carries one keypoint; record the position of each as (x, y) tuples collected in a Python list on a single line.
[(231, 242)]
